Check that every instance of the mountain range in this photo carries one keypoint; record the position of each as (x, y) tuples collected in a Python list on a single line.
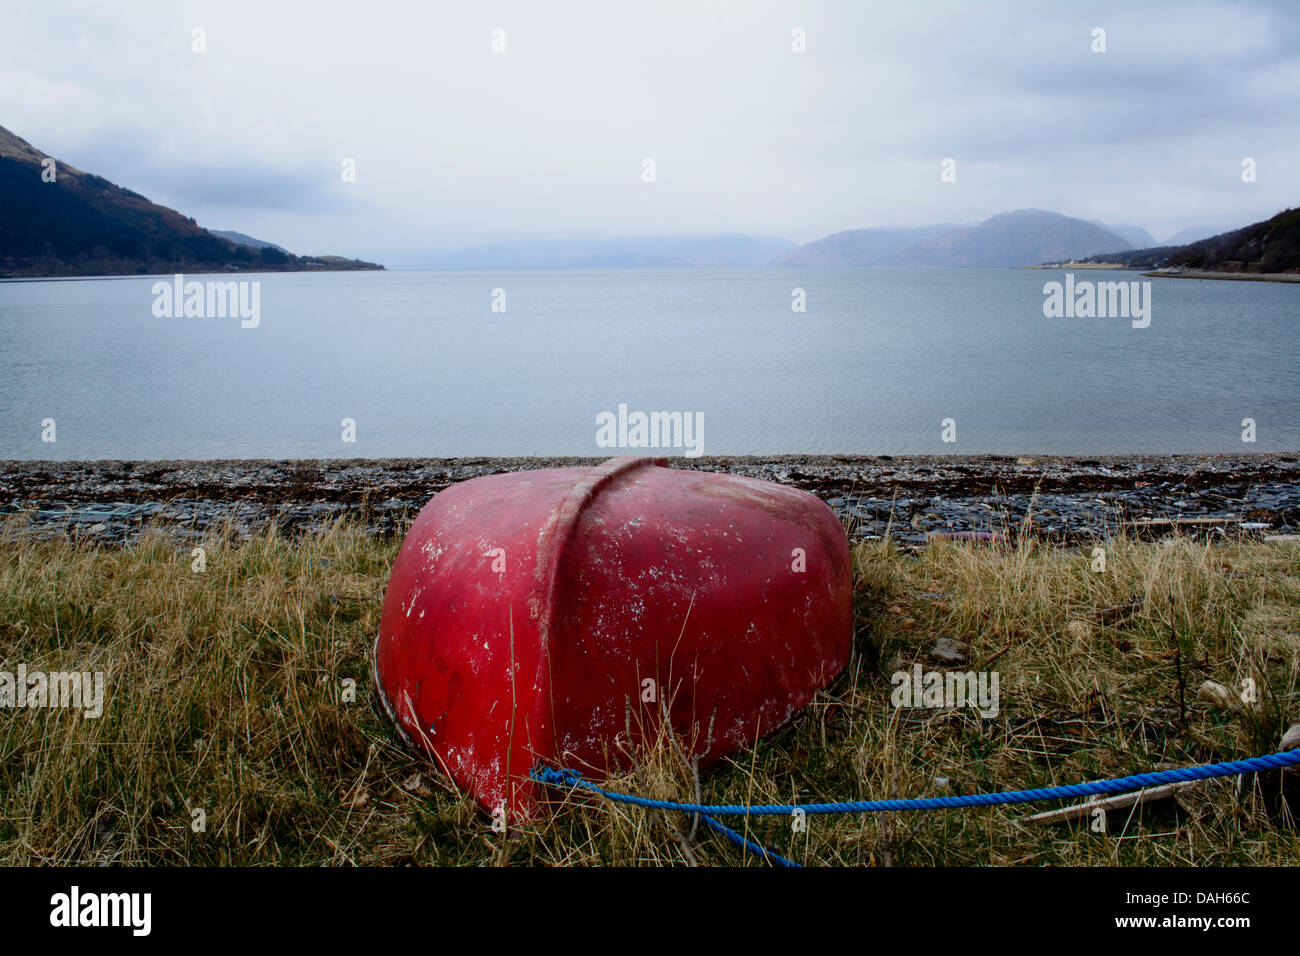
[(56, 220), (861, 247), (1024, 237)]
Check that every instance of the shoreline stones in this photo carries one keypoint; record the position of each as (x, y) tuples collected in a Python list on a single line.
[(1062, 500), (1291, 739), (948, 651)]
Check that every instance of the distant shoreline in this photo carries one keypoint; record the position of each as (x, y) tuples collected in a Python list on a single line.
[(1079, 265), (310, 264), (167, 275), (1235, 276)]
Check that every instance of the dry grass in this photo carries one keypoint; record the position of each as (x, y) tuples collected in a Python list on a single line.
[(226, 695)]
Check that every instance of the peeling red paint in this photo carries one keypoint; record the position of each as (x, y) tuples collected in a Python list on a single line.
[(613, 575)]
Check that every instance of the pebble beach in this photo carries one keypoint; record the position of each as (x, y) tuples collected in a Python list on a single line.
[(1068, 500)]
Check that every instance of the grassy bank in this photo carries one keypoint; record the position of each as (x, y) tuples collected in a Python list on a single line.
[(227, 695)]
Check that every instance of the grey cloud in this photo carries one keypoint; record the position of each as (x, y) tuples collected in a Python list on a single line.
[(457, 146)]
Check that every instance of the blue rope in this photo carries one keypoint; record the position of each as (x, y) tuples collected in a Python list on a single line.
[(755, 848), (1231, 768)]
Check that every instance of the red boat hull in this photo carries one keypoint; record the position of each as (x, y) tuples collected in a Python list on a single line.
[(558, 615)]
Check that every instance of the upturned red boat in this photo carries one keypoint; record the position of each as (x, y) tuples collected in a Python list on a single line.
[(556, 616)]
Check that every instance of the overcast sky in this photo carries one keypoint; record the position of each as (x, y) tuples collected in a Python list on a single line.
[(457, 145)]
